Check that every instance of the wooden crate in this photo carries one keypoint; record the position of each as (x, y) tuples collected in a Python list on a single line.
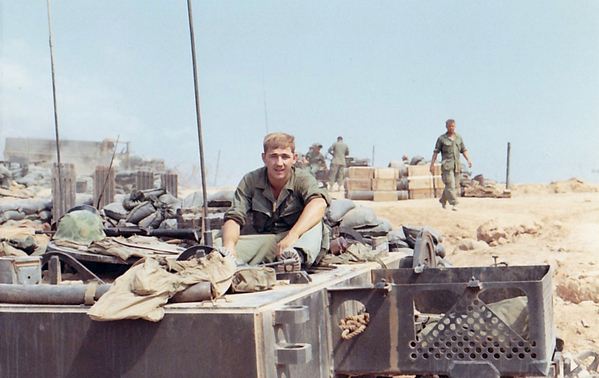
[(386, 173), (423, 170), (384, 184), (360, 172), (420, 182), (358, 184), (425, 193), (419, 170), (385, 196)]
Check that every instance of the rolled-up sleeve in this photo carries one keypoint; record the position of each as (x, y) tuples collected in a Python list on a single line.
[(438, 145), (241, 204), (308, 187)]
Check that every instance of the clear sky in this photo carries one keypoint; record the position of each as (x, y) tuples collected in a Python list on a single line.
[(383, 74)]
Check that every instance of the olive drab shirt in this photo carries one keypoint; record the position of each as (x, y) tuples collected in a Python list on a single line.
[(315, 158), (254, 197), (450, 151), (339, 150)]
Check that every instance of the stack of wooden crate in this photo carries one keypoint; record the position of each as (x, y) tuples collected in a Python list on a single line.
[(421, 184), (373, 184)]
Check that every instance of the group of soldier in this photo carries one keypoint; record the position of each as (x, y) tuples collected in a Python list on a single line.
[(315, 161)]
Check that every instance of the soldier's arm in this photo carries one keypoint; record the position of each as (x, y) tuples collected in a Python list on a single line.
[(465, 153), (311, 215), (231, 232), (433, 160)]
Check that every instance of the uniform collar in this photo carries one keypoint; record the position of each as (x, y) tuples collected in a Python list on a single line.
[(264, 185)]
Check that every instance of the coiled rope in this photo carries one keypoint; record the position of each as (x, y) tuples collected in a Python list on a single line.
[(353, 325)]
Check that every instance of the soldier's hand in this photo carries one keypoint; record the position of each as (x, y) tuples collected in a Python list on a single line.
[(287, 242), (432, 169)]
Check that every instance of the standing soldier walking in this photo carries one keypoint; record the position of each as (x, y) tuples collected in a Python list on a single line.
[(450, 145), (339, 151)]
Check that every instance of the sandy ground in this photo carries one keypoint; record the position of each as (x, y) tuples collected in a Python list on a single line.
[(556, 224)]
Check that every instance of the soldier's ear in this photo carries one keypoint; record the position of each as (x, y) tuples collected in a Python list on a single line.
[(264, 158)]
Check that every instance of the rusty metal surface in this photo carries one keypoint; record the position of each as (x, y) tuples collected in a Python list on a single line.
[(284, 332), (468, 336)]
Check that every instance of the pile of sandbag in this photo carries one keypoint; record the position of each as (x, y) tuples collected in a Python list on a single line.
[(150, 208), (217, 203), (344, 213), (38, 210), (480, 187), (35, 177)]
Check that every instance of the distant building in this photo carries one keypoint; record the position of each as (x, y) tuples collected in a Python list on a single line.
[(85, 155)]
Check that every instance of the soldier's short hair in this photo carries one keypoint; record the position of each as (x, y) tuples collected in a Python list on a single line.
[(450, 121), (279, 140)]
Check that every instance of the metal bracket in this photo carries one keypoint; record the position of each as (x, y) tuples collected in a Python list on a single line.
[(300, 277), (71, 261)]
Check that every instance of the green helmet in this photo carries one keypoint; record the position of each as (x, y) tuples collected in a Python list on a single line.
[(80, 226)]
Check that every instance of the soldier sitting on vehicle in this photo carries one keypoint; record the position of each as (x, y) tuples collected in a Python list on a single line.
[(286, 206)]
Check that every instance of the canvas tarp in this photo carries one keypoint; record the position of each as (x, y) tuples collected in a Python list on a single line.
[(148, 285)]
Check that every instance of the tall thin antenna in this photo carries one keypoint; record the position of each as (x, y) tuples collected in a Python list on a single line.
[(55, 111), (206, 233), (264, 93)]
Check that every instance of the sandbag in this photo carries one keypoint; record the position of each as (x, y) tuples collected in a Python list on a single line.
[(32, 206), (115, 210), (140, 212), (416, 160), (195, 199), (412, 232), (383, 227), (153, 220), (338, 208), (130, 204), (172, 202), (169, 224), (396, 235), (45, 216), (13, 215), (360, 217)]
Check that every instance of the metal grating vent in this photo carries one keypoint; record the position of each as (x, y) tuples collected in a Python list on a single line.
[(470, 331)]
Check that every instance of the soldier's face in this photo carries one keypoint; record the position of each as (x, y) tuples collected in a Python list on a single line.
[(278, 163), (450, 128)]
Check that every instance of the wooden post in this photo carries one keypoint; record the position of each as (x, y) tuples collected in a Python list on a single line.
[(144, 180), (507, 169), (104, 186), (63, 189), (170, 182)]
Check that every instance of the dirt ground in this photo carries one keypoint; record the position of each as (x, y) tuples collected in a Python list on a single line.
[(556, 224)]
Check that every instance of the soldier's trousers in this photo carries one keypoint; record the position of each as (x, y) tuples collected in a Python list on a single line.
[(336, 174), (257, 248), (451, 180)]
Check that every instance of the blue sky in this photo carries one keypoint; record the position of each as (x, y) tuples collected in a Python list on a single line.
[(384, 74)]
